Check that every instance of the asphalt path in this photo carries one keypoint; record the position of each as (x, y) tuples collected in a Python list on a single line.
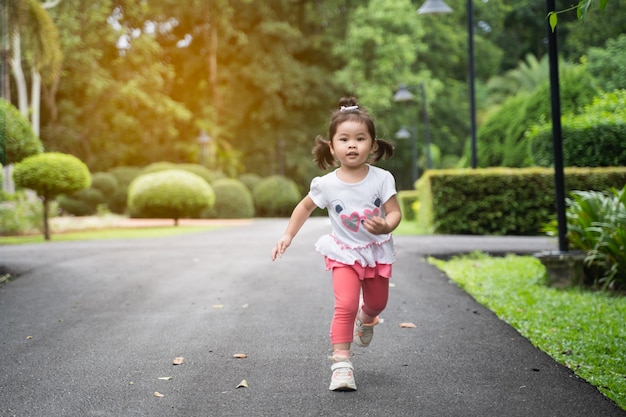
[(90, 328)]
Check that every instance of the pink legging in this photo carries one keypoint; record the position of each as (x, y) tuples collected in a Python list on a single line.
[(347, 287)]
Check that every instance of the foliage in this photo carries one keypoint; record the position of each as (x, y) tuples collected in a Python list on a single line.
[(124, 176), (51, 174), (596, 223), (502, 137), (17, 139), (499, 201), (593, 138), (20, 214), (104, 182), (250, 180), (608, 65), (82, 203), (275, 196), (233, 200), (171, 194), (582, 330)]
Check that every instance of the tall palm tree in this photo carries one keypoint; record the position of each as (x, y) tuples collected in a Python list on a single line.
[(30, 37)]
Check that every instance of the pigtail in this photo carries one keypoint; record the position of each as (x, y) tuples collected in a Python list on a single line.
[(384, 150), (321, 153)]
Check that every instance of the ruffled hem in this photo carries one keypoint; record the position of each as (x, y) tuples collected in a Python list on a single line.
[(368, 256), (382, 270)]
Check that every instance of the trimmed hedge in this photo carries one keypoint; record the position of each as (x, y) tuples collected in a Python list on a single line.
[(233, 200), (275, 196), (173, 194), (501, 201)]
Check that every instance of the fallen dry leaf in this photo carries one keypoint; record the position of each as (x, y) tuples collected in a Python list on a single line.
[(158, 394), (218, 305), (407, 325), (240, 355), (166, 378), (179, 360), (242, 384)]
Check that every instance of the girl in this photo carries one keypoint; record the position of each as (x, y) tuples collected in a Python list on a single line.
[(363, 210)]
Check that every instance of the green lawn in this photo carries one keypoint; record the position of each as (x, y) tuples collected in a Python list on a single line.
[(581, 329), (107, 233)]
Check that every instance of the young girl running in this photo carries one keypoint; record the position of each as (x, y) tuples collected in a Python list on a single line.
[(363, 210)]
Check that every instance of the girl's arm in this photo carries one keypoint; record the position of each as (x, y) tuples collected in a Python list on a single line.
[(300, 214), (393, 215)]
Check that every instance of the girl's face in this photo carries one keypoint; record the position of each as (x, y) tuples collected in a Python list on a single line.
[(352, 144)]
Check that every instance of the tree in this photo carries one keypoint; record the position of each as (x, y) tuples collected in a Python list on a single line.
[(34, 41), (17, 139), (49, 175), (171, 194)]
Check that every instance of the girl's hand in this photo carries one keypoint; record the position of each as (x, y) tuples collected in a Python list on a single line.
[(281, 247), (376, 225)]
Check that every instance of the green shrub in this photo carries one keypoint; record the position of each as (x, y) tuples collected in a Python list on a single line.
[(49, 175), (596, 223), (82, 203), (17, 139), (233, 200), (407, 200), (500, 201), (250, 180), (171, 194), (20, 214), (595, 138), (275, 196), (501, 138), (124, 176), (104, 182), (200, 170)]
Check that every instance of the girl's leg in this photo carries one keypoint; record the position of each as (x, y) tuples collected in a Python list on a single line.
[(375, 296), (347, 289)]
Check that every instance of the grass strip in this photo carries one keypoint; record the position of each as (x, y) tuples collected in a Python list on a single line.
[(108, 233), (581, 329)]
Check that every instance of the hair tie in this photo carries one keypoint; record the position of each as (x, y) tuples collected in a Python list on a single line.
[(348, 108)]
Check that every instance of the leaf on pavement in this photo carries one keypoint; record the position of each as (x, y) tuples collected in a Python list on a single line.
[(166, 378), (179, 360), (218, 305), (240, 355), (158, 394), (407, 325), (243, 384)]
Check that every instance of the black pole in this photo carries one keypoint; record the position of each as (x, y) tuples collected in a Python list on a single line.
[(557, 140), (429, 159), (472, 77)]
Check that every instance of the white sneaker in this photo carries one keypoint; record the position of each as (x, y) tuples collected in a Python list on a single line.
[(343, 376), (363, 332)]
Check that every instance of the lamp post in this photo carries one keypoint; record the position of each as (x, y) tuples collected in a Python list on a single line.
[(404, 95), (203, 140), (404, 134), (439, 6)]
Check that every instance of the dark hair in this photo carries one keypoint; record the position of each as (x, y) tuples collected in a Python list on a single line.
[(348, 109)]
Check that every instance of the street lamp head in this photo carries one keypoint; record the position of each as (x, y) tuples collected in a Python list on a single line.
[(403, 94), (403, 133), (434, 6)]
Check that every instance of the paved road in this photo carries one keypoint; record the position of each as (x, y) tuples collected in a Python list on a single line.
[(88, 328)]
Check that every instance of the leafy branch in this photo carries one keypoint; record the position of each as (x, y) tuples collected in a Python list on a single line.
[(581, 11)]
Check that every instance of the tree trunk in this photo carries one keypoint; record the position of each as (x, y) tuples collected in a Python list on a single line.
[(46, 227), (18, 74), (35, 100)]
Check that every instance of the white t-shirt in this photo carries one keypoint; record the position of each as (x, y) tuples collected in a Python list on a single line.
[(348, 205)]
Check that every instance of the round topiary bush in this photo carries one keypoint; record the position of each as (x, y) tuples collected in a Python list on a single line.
[(275, 196), (250, 180), (233, 200), (104, 182), (17, 139), (82, 203), (171, 194), (49, 175)]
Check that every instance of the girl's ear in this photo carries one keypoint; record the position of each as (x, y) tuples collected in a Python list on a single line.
[(374, 147)]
